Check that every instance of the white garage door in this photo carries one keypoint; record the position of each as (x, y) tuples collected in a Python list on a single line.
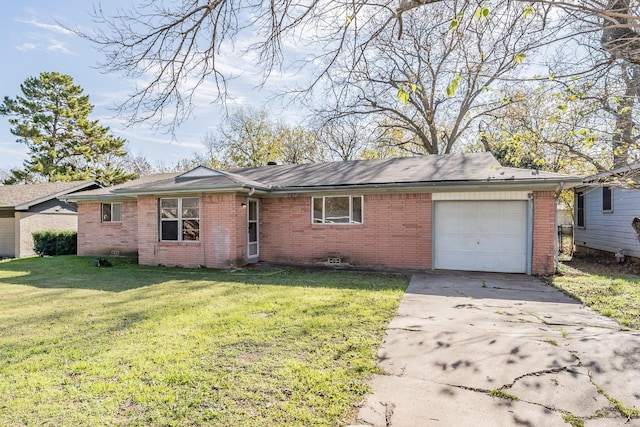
[(7, 237), (481, 236)]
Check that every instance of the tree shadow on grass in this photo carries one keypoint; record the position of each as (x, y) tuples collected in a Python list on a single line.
[(73, 272)]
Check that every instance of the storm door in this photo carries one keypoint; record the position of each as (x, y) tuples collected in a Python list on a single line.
[(252, 230)]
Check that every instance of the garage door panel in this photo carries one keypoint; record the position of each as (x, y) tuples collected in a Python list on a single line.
[(512, 244), (452, 242), (480, 236), (472, 261)]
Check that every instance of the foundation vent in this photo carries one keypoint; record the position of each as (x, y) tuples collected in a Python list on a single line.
[(115, 253), (334, 261)]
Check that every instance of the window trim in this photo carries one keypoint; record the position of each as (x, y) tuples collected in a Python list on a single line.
[(179, 219), (324, 220), (610, 189), (110, 221), (581, 212)]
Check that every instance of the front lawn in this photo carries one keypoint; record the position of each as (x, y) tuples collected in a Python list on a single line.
[(135, 345), (609, 288)]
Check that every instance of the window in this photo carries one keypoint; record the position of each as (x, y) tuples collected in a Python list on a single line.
[(580, 209), (607, 199), (111, 212), (337, 210), (180, 219)]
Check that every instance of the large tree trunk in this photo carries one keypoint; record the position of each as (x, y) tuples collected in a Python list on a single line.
[(618, 37), (622, 139)]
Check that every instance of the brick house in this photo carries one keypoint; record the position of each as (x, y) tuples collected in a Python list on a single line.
[(35, 207), (459, 212)]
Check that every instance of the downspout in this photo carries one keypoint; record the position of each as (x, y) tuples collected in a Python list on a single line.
[(529, 234), (556, 196), (253, 190)]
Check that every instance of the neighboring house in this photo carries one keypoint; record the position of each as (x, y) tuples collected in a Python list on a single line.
[(607, 215), (564, 215), (35, 207), (460, 212)]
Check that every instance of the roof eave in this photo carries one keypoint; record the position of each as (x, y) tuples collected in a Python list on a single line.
[(442, 186), (96, 197), (204, 189), (133, 194), (432, 186), (59, 195)]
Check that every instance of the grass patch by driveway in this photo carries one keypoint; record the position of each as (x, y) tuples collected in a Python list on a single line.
[(607, 288), (136, 345)]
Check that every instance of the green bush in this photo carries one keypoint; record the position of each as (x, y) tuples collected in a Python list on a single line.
[(55, 242)]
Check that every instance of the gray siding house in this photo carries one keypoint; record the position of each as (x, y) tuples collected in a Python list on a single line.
[(35, 207), (607, 218)]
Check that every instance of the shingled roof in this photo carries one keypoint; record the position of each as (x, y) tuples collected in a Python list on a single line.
[(479, 167), (23, 196), (476, 168)]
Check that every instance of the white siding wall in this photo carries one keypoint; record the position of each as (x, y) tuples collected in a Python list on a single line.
[(7, 237), (610, 231)]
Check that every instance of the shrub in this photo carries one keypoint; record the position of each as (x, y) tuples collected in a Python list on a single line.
[(55, 242)]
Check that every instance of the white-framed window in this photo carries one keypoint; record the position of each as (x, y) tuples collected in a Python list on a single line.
[(607, 199), (179, 219), (580, 208), (337, 210), (111, 212)]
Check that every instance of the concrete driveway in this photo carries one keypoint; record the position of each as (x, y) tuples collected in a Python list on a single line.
[(483, 349)]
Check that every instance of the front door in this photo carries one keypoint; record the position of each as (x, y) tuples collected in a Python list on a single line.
[(252, 230)]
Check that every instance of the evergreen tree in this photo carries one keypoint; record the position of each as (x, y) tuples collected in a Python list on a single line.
[(52, 119)]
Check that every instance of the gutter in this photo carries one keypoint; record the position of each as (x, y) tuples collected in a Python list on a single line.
[(431, 187), (206, 189), (439, 186), (132, 195)]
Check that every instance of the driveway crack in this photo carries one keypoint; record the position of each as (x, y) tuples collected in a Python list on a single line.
[(616, 328), (617, 406), (538, 373)]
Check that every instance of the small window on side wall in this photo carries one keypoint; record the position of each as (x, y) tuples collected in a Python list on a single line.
[(580, 209), (607, 199), (111, 212), (337, 210)]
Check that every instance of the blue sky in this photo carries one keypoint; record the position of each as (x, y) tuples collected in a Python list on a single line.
[(33, 42)]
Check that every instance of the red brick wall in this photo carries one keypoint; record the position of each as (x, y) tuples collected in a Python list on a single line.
[(396, 232), (222, 234), (96, 238), (544, 233)]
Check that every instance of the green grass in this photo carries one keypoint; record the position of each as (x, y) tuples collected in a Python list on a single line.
[(502, 395), (573, 420), (614, 294), (134, 345)]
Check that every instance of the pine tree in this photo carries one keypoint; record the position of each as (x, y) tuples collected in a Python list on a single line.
[(52, 119)]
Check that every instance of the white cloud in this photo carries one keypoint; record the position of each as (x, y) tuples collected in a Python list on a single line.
[(41, 35), (11, 155), (24, 47), (49, 27), (59, 47)]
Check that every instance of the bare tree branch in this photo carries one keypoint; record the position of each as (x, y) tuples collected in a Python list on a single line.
[(171, 49)]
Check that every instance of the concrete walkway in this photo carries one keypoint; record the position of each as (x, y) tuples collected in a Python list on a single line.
[(483, 349)]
